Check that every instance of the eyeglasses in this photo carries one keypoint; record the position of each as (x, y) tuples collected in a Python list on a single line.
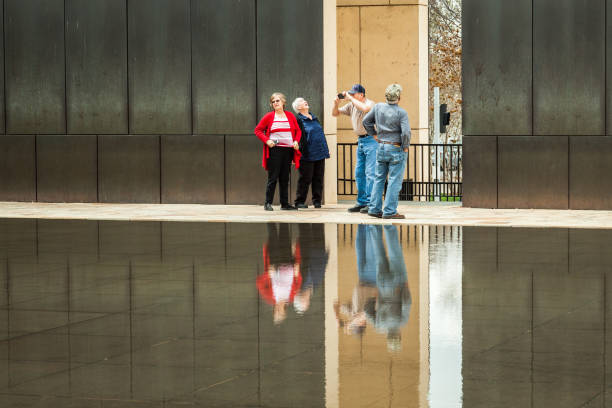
[(276, 101)]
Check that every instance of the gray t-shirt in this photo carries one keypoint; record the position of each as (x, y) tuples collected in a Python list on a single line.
[(356, 115)]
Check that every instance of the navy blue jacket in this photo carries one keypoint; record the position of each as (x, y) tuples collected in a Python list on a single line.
[(313, 144)]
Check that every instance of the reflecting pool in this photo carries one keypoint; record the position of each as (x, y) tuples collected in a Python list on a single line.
[(162, 314)]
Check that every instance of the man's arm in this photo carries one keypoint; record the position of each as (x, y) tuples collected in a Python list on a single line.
[(345, 110), (368, 123), (406, 132), (362, 106)]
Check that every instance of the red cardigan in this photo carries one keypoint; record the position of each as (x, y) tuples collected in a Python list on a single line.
[(264, 282), (262, 131)]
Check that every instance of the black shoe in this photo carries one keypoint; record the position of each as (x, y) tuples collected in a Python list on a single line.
[(376, 215), (301, 205), (317, 205), (268, 207), (364, 210), (356, 208), (288, 207)]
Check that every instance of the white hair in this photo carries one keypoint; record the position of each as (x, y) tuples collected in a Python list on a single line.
[(296, 104)]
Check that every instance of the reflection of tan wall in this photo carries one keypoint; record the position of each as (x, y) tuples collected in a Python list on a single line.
[(368, 374), (380, 42)]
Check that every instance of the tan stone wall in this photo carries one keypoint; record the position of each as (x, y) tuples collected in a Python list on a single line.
[(329, 82), (380, 42)]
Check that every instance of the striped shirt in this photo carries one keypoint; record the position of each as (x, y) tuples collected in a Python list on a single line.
[(280, 132)]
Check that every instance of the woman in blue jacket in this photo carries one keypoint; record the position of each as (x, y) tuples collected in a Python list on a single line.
[(313, 147)]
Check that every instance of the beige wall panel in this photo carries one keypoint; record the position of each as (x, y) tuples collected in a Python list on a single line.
[(348, 53), (330, 66), (418, 135), (378, 2), (330, 80), (390, 53), (423, 80), (346, 136), (362, 2), (419, 2)]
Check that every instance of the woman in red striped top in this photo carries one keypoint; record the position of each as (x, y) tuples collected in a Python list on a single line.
[(280, 133)]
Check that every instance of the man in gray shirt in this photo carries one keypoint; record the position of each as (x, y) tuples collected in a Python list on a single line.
[(389, 124)]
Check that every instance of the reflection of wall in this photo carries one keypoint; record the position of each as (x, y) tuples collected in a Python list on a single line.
[(148, 311), (83, 78), (368, 374), (536, 317)]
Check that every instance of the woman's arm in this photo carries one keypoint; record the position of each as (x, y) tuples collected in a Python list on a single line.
[(262, 127), (296, 132)]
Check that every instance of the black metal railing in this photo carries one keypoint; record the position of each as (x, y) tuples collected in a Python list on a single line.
[(434, 172)]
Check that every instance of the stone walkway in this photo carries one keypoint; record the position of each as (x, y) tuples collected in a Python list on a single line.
[(416, 213)]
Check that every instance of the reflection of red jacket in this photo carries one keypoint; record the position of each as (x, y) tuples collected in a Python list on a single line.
[(262, 131), (264, 282)]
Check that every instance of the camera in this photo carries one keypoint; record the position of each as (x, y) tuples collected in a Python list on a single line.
[(341, 95)]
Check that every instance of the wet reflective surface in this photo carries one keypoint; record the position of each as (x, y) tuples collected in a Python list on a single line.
[(149, 314)]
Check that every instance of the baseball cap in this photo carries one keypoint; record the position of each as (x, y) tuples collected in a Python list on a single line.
[(357, 88)]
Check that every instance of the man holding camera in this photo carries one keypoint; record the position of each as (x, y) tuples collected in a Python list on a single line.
[(357, 108)]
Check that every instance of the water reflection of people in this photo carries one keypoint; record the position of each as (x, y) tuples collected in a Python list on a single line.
[(382, 297), (392, 308), (281, 279), (351, 315), (314, 258)]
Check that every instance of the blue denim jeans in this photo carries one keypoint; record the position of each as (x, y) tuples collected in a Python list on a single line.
[(365, 167), (366, 259), (394, 301), (390, 160)]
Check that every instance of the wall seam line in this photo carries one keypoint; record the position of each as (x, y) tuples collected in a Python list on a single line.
[(4, 62), (127, 64), (65, 75)]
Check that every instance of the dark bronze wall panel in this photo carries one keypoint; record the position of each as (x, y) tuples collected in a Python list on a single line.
[(533, 172), (67, 168), (192, 169), (291, 62), (609, 67), (17, 168), (2, 110), (224, 66), (245, 178), (497, 58), (159, 52), (35, 74), (480, 171), (96, 66), (590, 169), (128, 169), (569, 67)]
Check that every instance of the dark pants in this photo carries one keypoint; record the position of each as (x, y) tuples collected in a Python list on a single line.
[(279, 244), (311, 172), (279, 168)]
